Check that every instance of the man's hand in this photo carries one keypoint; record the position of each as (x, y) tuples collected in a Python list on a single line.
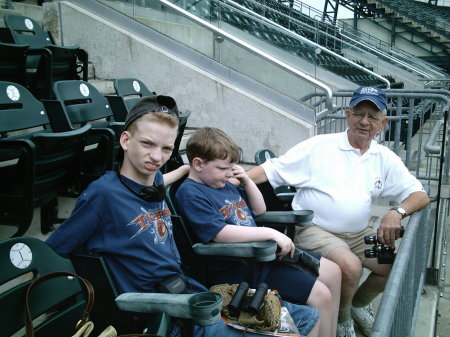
[(389, 229)]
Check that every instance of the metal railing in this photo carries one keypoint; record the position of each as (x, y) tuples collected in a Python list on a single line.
[(319, 48), (399, 304)]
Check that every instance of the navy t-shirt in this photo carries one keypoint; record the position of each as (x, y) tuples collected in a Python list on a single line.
[(207, 211), (134, 236)]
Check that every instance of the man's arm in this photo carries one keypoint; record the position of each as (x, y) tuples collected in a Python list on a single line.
[(257, 174), (390, 224)]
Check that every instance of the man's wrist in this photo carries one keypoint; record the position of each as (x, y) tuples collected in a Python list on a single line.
[(400, 211)]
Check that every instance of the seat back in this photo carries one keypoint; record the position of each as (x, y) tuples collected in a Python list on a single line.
[(13, 62), (82, 102), (131, 89), (280, 198), (105, 311), (25, 30), (37, 164), (193, 265), (175, 159), (58, 302)]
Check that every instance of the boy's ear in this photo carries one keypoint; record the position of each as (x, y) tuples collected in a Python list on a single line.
[(197, 163), (124, 138)]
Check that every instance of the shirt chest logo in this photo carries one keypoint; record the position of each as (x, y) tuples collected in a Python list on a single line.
[(156, 221)]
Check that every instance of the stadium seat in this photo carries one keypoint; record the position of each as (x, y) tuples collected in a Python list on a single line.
[(46, 61), (94, 268), (58, 303), (195, 254), (283, 194), (36, 163), (80, 103), (128, 92)]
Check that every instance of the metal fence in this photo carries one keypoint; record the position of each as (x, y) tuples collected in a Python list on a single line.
[(417, 132)]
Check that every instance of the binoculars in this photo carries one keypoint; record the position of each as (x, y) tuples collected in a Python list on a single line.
[(384, 254), (242, 302)]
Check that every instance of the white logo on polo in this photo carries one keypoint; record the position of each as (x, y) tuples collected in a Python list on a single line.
[(369, 91)]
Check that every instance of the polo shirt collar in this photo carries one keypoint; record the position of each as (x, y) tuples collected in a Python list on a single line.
[(344, 144)]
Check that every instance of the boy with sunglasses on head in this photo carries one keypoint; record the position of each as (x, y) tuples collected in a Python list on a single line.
[(123, 215), (219, 211)]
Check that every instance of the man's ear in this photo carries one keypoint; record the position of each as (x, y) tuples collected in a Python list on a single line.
[(197, 163)]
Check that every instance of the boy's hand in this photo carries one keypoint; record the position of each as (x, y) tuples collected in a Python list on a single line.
[(240, 174), (285, 245)]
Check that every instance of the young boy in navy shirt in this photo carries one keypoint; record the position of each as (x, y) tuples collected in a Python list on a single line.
[(219, 211), (123, 215)]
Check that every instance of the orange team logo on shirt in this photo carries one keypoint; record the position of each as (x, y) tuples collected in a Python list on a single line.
[(157, 221), (237, 212)]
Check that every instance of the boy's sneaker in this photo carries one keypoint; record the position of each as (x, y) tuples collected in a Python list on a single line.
[(345, 329), (364, 317)]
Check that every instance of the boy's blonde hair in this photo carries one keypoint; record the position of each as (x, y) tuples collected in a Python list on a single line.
[(211, 143), (156, 116)]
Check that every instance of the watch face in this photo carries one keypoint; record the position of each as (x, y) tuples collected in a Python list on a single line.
[(20, 255)]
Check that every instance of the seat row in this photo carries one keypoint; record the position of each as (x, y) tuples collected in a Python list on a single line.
[(57, 147), (30, 56)]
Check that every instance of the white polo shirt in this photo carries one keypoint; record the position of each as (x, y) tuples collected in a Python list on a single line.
[(337, 182)]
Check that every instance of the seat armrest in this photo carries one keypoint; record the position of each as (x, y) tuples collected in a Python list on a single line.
[(299, 217), (261, 251), (203, 308)]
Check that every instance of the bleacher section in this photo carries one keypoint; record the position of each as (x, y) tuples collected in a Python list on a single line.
[(272, 34)]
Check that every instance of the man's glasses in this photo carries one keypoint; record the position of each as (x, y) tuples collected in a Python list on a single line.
[(362, 114)]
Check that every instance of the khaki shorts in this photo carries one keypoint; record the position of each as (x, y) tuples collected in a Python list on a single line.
[(321, 241)]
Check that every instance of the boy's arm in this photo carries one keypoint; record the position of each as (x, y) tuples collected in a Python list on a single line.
[(233, 233), (255, 198), (176, 174)]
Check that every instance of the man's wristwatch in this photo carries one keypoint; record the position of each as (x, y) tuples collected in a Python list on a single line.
[(400, 210)]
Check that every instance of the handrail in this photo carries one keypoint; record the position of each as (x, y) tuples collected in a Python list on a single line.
[(313, 44), (327, 90), (380, 52), (384, 320)]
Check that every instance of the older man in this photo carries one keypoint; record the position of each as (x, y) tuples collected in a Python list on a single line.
[(338, 176)]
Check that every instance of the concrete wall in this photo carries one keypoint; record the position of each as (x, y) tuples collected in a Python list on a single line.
[(251, 121)]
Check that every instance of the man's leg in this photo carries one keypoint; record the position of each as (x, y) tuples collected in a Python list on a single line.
[(373, 285)]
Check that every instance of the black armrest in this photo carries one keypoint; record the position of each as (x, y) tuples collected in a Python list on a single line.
[(203, 308), (285, 220), (261, 251)]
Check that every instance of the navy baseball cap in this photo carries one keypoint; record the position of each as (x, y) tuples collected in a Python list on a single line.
[(375, 95)]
